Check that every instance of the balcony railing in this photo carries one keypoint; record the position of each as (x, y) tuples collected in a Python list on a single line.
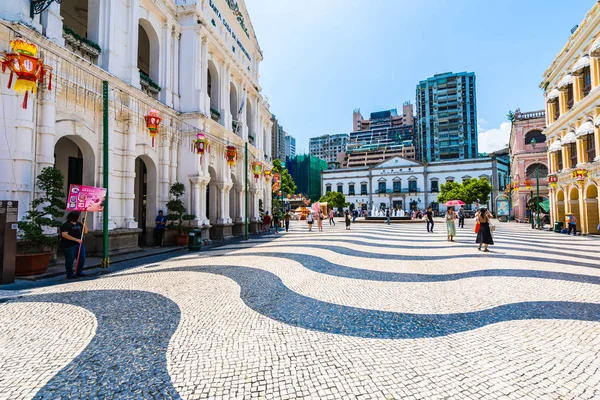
[(149, 86), (215, 115), (80, 45)]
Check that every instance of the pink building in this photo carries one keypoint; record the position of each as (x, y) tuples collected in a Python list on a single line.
[(528, 153)]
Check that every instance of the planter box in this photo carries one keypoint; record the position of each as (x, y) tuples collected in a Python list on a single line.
[(182, 240), (31, 264)]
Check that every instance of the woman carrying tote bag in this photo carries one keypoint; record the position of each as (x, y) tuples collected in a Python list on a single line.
[(484, 235)]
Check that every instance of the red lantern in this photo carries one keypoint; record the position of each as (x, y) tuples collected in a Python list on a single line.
[(201, 144), (553, 180), (152, 122), (231, 155), (528, 183), (267, 175), (256, 169), (29, 69)]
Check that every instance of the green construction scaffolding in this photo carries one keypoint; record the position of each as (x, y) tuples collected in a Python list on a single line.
[(306, 172)]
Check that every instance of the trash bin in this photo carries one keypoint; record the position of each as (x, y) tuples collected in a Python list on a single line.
[(558, 226), (195, 242)]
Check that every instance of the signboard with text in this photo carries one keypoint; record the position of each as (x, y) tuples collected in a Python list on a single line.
[(86, 198)]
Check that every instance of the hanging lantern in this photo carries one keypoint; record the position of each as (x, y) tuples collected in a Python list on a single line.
[(267, 174), (256, 169), (528, 183), (231, 155), (152, 122), (30, 70), (201, 144), (580, 174), (553, 180)]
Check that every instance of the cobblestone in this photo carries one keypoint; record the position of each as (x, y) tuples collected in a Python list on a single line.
[(381, 312)]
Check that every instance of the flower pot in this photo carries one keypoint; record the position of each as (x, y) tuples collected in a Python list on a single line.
[(182, 240), (31, 264)]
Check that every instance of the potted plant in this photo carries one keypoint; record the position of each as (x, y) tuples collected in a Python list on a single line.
[(177, 213), (36, 246)]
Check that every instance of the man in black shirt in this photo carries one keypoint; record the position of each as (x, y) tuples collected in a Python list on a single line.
[(71, 233), (429, 218)]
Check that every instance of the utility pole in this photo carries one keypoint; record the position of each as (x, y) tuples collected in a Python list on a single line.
[(105, 259), (246, 191)]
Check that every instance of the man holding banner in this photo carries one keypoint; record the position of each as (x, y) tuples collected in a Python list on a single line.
[(71, 234), (80, 198)]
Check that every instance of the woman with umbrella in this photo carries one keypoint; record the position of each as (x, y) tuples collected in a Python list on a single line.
[(450, 217)]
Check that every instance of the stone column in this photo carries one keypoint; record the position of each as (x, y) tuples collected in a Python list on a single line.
[(226, 208), (565, 155), (597, 143), (577, 88), (594, 71), (562, 102), (582, 211), (164, 170), (129, 176), (46, 130), (580, 151), (241, 203), (204, 98), (173, 161), (202, 208), (52, 24)]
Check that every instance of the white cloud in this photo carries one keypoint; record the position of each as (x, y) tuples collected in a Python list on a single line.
[(493, 139)]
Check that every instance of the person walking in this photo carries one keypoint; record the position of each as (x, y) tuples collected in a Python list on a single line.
[(572, 224), (347, 219), (331, 215), (484, 235), (276, 223), (267, 222), (71, 237), (310, 219), (286, 221), (387, 216), (450, 225), (429, 219), (461, 217), (159, 229), (320, 219)]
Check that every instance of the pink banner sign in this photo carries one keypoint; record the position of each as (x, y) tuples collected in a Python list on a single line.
[(86, 198)]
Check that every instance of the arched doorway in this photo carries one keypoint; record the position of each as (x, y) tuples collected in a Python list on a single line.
[(574, 203), (145, 190), (213, 88), (560, 206), (75, 158), (233, 103), (592, 208)]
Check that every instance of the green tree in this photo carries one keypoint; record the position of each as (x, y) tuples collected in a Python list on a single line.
[(334, 200), (44, 211), (177, 211), (287, 182), (451, 191), (476, 191)]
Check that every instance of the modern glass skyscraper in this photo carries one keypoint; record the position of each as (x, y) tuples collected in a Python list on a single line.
[(447, 117)]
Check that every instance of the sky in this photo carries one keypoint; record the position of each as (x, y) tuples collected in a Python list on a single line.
[(325, 58)]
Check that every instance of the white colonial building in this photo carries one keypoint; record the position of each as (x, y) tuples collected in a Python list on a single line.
[(399, 183), (195, 61)]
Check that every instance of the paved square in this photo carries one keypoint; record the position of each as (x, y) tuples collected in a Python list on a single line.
[(377, 312)]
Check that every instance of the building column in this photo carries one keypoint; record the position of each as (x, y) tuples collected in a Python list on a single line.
[(226, 205), (202, 207), (164, 170), (46, 130), (129, 177), (173, 160), (204, 98), (241, 203), (552, 205), (594, 71), (577, 88), (596, 143), (580, 151), (562, 102), (565, 155), (582, 211)]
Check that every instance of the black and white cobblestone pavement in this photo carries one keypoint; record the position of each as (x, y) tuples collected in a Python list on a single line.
[(377, 312)]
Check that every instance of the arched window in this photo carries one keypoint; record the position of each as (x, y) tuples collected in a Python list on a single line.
[(535, 134), (213, 90), (148, 58), (80, 27), (542, 171), (233, 102)]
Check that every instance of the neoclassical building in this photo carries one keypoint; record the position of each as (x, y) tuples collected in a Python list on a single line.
[(572, 92), (399, 183), (528, 153), (196, 63)]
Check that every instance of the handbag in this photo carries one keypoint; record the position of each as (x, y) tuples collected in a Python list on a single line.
[(477, 227), (492, 227)]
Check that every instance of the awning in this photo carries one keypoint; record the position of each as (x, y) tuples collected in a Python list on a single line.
[(565, 81), (595, 49), (555, 146), (580, 65), (553, 94), (569, 138), (545, 205), (587, 128)]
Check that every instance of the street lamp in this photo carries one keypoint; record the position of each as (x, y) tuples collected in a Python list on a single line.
[(537, 190)]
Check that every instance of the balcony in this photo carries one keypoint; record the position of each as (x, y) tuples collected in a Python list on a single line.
[(363, 193), (235, 125), (215, 115), (81, 46), (149, 86), (251, 139)]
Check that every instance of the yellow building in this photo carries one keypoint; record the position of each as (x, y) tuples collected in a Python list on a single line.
[(572, 90)]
